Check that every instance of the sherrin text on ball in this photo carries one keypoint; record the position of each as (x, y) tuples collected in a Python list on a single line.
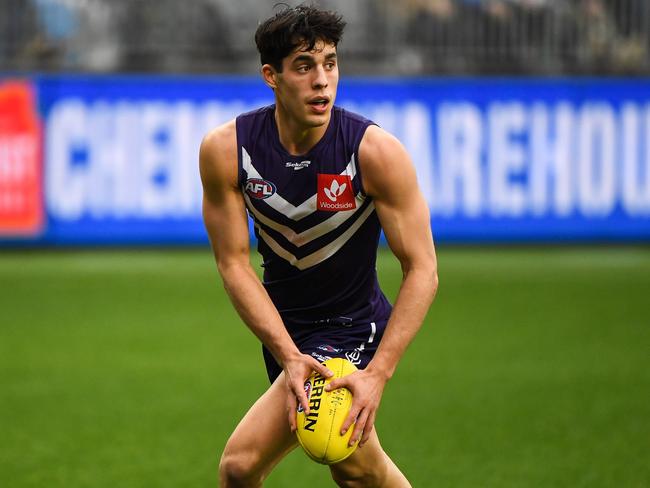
[(319, 433)]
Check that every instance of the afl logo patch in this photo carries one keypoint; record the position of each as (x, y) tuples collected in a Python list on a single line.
[(258, 188)]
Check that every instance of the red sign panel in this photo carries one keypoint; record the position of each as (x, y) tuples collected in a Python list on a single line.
[(21, 196), (335, 193)]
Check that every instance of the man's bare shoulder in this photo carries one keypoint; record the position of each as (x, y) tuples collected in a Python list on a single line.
[(218, 154), (220, 142), (382, 157)]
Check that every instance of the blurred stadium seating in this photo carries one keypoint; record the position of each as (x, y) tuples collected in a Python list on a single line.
[(405, 37)]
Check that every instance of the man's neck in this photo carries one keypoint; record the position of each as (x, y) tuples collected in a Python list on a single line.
[(295, 138)]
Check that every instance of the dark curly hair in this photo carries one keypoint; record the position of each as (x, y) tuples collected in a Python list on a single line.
[(290, 28)]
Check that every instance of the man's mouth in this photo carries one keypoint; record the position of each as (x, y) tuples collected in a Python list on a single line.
[(319, 102)]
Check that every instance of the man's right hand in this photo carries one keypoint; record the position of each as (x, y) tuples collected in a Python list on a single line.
[(296, 370)]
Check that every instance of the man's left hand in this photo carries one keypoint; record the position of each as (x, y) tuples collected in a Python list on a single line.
[(367, 388)]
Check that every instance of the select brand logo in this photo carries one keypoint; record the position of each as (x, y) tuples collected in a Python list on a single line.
[(298, 166), (335, 193), (258, 188)]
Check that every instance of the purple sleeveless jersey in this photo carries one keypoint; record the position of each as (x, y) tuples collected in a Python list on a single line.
[(317, 230)]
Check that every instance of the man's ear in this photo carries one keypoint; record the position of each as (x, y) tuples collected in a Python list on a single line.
[(270, 76)]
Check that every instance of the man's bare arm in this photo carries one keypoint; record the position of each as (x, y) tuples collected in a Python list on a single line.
[(389, 177), (224, 215)]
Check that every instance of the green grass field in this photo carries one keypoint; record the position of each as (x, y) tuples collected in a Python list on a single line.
[(129, 369)]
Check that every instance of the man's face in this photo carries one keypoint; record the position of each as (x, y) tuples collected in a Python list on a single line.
[(306, 88)]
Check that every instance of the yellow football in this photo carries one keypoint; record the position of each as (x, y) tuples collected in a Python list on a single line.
[(319, 433)]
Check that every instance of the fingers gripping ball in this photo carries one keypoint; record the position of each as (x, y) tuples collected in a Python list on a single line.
[(319, 433)]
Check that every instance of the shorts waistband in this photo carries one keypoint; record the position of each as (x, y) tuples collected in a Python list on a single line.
[(335, 322)]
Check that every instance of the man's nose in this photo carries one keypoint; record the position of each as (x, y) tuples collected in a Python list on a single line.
[(320, 79)]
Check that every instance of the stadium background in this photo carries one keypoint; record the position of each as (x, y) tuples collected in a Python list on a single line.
[(528, 121)]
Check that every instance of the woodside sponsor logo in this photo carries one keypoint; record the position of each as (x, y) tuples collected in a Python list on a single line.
[(335, 193)]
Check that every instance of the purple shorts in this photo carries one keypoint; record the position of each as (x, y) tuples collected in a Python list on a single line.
[(332, 339)]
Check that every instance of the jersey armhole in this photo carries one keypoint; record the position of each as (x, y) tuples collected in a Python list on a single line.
[(240, 164), (357, 163)]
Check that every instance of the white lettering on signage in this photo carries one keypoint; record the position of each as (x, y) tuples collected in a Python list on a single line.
[(122, 159), (512, 159), (635, 128), (66, 140), (550, 159), (505, 159), (596, 154), (417, 139), (460, 140)]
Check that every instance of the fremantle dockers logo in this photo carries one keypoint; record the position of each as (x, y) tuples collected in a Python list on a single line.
[(259, 189)]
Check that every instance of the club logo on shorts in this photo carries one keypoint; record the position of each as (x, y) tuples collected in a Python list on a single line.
[(354, 356), (259, 188), (335, 193)]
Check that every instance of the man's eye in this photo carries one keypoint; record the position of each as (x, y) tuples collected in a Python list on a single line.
[(303, 69)]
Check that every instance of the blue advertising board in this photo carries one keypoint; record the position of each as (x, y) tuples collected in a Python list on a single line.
[(497, 159)]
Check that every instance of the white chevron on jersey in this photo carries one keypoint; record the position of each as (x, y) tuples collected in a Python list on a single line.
[(278, 203), (312, 233), (324, 252)]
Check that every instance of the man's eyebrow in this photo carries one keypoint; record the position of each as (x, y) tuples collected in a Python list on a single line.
[(302, 58), (309, 58)]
